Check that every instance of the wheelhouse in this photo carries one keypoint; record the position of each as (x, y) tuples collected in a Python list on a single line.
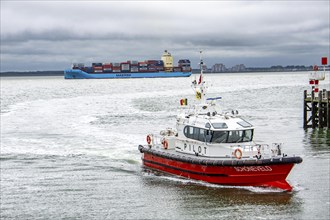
[(218, 136)]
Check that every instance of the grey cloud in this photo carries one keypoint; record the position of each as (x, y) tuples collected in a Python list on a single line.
[(269, 32), (65, 34)]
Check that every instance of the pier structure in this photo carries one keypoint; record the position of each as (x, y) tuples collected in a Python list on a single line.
[(317, 102), (317, 109)]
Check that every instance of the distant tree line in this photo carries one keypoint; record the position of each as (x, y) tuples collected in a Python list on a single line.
[(276, 68), (33, 73)]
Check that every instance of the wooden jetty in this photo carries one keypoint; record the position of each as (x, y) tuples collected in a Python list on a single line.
[(317, 109)]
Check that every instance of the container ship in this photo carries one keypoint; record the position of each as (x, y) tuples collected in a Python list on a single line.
[(131, 69)]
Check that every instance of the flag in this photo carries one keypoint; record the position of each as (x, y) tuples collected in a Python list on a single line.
[(200, 79), (324, 61), (198, 95), (183, 101)]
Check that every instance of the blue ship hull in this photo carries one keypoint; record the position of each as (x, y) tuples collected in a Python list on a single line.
[(79, 74)]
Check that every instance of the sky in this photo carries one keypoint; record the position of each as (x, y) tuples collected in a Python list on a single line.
[(51, 35)]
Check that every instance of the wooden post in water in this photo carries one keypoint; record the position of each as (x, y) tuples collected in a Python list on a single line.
[(328, 109), (305, 109), (313, 110), (320, 110)]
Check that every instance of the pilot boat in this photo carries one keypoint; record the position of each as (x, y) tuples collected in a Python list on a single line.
[(216, 147)]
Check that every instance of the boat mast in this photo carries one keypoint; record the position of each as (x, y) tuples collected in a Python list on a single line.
[(201, 67), (199, 86)]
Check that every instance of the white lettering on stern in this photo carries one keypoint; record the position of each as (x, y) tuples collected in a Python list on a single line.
[(253, 169)]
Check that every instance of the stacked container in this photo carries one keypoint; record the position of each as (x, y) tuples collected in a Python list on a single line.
[(89, 69), (78, 66), (125, 67), (155, 65), (185, 65), (134, 66), (107, 67), (116, 68), (177, 69), (143, 67), (98, 67)]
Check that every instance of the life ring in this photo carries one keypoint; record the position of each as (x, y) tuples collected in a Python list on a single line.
[(149, 139), (315, 68), (238, 153), (165, 144)]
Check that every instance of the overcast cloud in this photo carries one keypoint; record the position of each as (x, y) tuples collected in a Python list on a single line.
[(50, 35)]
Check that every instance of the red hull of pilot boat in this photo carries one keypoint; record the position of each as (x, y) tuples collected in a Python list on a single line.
[(272, 175)]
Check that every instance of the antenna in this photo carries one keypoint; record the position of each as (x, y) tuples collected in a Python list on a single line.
[(200, 87)]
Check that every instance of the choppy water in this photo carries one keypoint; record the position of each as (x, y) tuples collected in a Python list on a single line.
[(69, 149)]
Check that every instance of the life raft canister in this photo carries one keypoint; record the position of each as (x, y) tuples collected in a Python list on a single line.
[(149, 139), (165, 144), (238, 153)]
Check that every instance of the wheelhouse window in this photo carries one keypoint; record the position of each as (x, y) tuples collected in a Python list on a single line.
[(244, 124), (247, 136), (189, 132), (220, 125), (232, 136), (219, 136), (235, 136), (196, 133), (206, 135)]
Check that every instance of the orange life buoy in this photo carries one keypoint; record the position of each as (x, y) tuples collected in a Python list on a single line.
[(165, 144), (238, 153), (148, 139)]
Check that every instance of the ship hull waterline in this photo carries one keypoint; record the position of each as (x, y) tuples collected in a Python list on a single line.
[(266, 175), (79, 74)]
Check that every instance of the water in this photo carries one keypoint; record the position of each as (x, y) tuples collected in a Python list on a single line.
[(69, 149)]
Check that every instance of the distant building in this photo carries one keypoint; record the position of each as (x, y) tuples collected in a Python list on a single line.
[(218, 68), (238, 68)]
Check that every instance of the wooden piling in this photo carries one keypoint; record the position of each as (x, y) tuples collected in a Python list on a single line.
[(305, 110), (313, 111), (316, 109), (320, 110), (328, 109)]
